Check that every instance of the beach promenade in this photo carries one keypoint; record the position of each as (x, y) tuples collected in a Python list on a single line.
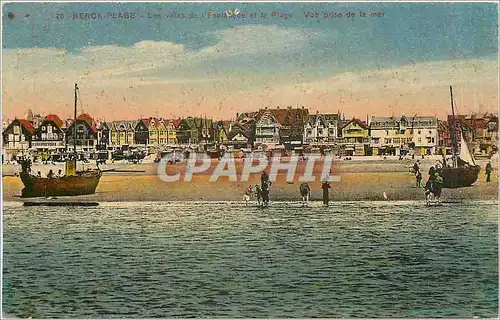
[(360, 180)]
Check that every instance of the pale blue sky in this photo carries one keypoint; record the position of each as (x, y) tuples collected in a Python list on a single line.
[(249, 55)]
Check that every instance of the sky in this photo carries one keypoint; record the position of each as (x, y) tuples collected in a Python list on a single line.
[(401, 60)]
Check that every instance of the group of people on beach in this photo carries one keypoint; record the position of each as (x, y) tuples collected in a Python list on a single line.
[(261, 191), (434, 185)]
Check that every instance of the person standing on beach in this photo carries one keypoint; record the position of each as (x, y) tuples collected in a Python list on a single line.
[(325, 185), (264, 177), (488, 170), (432, 171), (416, 167), (418, 176)]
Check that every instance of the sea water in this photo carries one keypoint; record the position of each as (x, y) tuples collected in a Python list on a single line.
[(223, 259)]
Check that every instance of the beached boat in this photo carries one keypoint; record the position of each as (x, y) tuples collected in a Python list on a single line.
[(72, 183), (463, 170)]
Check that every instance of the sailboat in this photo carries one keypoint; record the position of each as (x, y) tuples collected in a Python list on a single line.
[(71, 184), (463, 171)]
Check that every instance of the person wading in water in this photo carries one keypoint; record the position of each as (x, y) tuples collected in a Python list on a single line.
[(437, 186), (305, 192), (248, 194), (258, 194), (264, 187)]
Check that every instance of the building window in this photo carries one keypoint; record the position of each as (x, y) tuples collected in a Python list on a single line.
[(419, 132)]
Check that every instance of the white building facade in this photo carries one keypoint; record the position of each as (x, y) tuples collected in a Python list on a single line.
[(322, 129), (267, 129)]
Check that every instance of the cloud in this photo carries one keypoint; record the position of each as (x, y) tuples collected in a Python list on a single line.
[(107, 61), (123, 82), (259, 40), (421, 88)]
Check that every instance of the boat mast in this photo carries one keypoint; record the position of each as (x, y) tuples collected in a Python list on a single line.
[(74, 125), (452, 128)]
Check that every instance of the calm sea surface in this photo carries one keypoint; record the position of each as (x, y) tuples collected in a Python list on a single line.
[(221, 259)]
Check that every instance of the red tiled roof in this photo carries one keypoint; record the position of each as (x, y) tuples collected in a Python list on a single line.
[(359, 122), (481, 123), (55, 118), (145, 121), (89, 120), (27, 125), (176, 122), (293, 115)]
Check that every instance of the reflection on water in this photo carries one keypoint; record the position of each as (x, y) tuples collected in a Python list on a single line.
[(222, 259)]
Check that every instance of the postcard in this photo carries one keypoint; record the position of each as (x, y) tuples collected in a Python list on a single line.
[(250, 159)]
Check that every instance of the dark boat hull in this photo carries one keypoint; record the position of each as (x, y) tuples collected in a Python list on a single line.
[(459, 177), (81, 184), (61, 203)]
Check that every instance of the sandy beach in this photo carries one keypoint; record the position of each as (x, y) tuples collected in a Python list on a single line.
[(359, 180)]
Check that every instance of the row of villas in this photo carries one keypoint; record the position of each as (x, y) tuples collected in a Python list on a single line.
[(288, 128), (52, 135), (293, 128), (379, 135)]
